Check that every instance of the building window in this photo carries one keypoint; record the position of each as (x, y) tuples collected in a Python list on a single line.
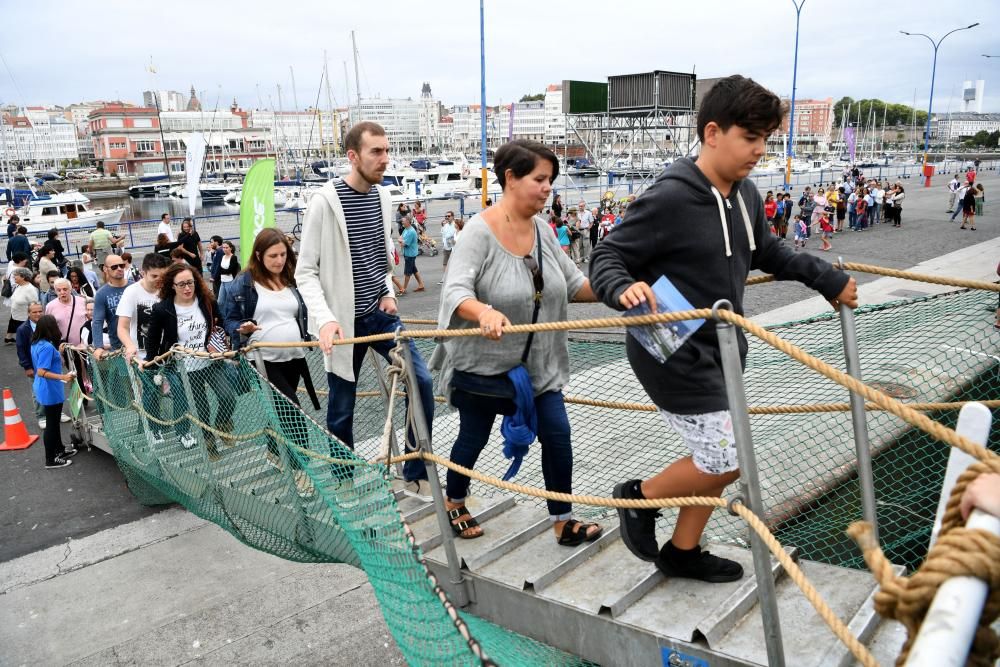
[(122, 169), (142, 122), (114, 122), (144, 145), (117, 145)]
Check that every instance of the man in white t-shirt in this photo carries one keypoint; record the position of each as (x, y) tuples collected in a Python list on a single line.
[(136, 305), (164, 227), (586, 219), (953, 185)]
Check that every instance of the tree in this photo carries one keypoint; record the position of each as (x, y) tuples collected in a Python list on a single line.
[(537, 97), (895, 114), (981, 138)]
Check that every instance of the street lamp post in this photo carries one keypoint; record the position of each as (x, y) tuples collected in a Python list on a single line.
[(930, 103), (789, 150)]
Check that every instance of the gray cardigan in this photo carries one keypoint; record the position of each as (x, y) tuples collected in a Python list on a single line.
[(482, 269)]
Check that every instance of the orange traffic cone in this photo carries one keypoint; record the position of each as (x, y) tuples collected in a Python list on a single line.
[(15, 433)]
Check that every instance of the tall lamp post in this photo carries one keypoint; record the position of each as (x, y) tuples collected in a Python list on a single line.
[(789, 150), (930, 103)]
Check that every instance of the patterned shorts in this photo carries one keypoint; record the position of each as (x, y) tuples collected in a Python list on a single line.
[(710, 438)]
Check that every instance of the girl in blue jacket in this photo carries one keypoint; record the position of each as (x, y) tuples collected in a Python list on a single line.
[(49, 388)]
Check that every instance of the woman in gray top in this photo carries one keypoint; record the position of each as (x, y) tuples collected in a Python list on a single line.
[(493, 279)]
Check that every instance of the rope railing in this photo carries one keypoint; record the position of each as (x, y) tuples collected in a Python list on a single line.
[(875, 400)]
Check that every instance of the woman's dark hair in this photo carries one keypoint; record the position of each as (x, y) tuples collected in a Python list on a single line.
[(45, 250), (47, 329), (520, 157), (18, 257), (162, 240), (737, 100), (167, 291), (80, 275), (267, 239), (53, 233), (231, 245)]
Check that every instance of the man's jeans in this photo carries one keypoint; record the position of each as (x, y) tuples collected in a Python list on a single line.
[(340, 410)]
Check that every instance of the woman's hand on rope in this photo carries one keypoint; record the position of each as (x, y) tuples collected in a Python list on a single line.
[(848, 296), (328, 333), (636, 294), (982, 493), (492, 322)]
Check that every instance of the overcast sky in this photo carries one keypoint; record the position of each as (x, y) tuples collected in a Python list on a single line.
[(228, 49)]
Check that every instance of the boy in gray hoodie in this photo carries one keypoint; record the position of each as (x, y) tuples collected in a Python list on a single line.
[(703, 226)]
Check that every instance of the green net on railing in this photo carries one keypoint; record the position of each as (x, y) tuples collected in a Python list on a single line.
[(259, 469)]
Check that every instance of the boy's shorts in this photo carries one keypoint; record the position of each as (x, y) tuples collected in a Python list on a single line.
[(710, 438)]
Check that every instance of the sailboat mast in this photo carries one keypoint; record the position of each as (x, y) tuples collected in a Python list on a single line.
[(881, 142), (357, 78), (295, 116), (329, 103), (277, 124)]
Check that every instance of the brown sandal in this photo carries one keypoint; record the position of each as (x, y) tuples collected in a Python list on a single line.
[(462, 526)]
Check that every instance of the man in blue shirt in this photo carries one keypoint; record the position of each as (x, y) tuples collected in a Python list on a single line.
[(106, 305), (410, 251), (215, 263), (19, 243)]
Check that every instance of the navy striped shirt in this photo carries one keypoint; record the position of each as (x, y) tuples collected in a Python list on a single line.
[(366, 236)]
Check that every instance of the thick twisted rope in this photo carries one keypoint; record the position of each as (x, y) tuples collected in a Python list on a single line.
[(958, 552)]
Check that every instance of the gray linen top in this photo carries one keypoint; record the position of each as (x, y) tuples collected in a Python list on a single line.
[(481, 268)]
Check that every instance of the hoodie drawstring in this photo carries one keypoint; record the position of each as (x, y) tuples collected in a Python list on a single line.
[(725, 228), (722, 219), (746, 221)]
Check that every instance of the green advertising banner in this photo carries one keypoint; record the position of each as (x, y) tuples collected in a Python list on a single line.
[(256, 205)]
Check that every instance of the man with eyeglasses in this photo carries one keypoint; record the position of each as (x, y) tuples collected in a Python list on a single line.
[(106, 303)]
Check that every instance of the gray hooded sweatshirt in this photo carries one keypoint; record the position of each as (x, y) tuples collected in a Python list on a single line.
[(706, 244)]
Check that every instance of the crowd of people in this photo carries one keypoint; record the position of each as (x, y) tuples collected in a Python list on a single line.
[(503, 266)]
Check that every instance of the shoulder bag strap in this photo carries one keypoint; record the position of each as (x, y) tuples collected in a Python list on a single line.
[(69, 325), (537, 298)]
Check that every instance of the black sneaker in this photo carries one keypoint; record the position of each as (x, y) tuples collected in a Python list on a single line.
[(638, 526), (697, 564), (59, 463), (69, 453)]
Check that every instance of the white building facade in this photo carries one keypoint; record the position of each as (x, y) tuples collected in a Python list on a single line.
[(955, 126), (38, 137), (299, 133), (169, 100)]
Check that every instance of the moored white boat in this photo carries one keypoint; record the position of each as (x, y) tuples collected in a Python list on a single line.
[(44, 211)]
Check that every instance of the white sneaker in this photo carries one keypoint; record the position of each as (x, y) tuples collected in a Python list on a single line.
[(419, 489), (64, 418), (42, 423), (188, 441)]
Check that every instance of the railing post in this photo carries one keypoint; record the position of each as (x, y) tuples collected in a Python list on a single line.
[(869, 510), (949, 628), (422, 433), (732, 370)]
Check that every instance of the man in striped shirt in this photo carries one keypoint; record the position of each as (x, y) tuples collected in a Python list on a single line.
[(344, 275)]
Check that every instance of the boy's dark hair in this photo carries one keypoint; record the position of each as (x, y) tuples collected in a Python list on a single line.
[(22, 230), (217, 239), (152, 260), (51, 274), (352, 142), (737, 100), (520, 156), (18, 257)]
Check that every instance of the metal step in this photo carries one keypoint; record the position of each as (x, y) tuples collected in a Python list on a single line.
[(601, 603), (807, 639)]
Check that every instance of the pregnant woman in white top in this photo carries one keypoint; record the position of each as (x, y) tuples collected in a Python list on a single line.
[(263, 305)]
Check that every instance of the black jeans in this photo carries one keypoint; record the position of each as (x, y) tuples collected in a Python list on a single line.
[(285, 376), (53, 435)]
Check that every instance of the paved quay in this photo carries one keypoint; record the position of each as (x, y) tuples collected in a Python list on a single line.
[(126, 584)]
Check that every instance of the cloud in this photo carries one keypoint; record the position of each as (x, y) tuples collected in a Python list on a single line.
[(227, 49)]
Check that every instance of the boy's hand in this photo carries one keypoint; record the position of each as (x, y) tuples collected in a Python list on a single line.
[(637, 293), (984, 493), (848, 296)]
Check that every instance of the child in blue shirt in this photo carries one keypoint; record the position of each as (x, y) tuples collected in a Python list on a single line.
[(801, 232), (49, 388)]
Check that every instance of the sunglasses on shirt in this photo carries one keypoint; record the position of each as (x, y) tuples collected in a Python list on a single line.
[(536, 275)]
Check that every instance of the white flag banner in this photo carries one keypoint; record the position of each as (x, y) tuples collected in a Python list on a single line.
[(192, 166)]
